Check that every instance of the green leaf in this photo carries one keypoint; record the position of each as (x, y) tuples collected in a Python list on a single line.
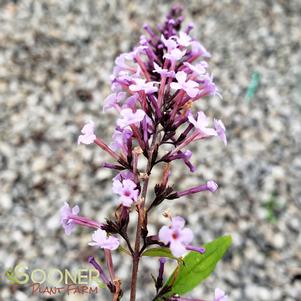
[(196, 267), (158, 252)]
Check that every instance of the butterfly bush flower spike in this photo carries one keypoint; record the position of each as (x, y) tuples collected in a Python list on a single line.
[(155, 88)]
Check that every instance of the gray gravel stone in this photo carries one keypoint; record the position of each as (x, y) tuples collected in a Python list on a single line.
[(55, 61)]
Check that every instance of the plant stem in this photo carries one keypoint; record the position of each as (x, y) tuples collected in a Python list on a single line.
[(141, 217), (136, 255), (116, 296)]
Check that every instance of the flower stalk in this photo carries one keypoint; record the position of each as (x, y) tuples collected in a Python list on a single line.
[(154, 88)]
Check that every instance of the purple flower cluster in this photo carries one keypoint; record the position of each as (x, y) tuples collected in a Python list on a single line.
[(153, 88)]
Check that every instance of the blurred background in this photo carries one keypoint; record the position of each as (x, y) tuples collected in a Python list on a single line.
[(55, 63)]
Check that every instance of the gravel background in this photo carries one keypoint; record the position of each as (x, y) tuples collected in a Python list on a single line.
[(55, 61)]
